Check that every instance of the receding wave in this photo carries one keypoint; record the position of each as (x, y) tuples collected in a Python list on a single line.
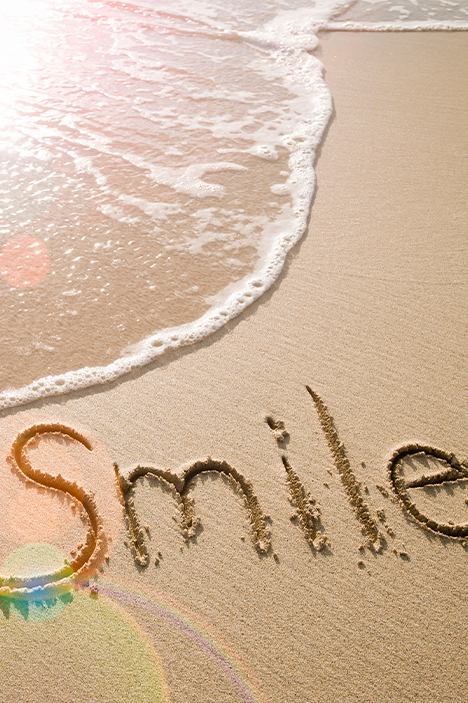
[(166, 164), (157, 167)]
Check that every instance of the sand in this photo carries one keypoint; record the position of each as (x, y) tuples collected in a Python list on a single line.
[(370, 314)]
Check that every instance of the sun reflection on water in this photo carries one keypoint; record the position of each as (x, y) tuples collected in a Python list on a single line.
[(17, 55)]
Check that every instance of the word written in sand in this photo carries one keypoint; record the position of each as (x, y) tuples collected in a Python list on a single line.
[(90, 556)]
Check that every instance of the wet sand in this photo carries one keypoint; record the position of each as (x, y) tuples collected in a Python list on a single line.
[(371, 315)]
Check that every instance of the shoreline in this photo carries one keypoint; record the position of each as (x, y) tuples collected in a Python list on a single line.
[(165, 342)]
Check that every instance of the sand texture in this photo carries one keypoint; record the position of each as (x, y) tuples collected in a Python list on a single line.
[(286, 543)]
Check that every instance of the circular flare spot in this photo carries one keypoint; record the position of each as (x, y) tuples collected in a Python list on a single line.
[(94, 651), (24, 261), (28, 561)]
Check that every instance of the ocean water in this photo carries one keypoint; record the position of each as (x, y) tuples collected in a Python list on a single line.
[(156, 168)]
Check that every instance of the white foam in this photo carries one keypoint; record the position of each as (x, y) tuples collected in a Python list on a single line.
[(265, 151)]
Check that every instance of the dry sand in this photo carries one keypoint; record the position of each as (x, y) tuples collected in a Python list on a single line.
[(371, 314)]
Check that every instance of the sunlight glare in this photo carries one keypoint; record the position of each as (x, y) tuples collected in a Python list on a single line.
[(18, 21)]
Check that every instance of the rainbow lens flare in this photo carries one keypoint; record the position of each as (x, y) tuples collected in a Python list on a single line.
[(26, 592)]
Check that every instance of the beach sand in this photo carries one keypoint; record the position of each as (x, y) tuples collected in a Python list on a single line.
[(370, 313)]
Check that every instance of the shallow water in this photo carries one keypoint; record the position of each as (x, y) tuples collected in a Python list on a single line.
[(157, 166)]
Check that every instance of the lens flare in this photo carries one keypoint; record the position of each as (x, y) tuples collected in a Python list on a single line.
[(24, 261), (95, 649), (160, 605), (25, 564)]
